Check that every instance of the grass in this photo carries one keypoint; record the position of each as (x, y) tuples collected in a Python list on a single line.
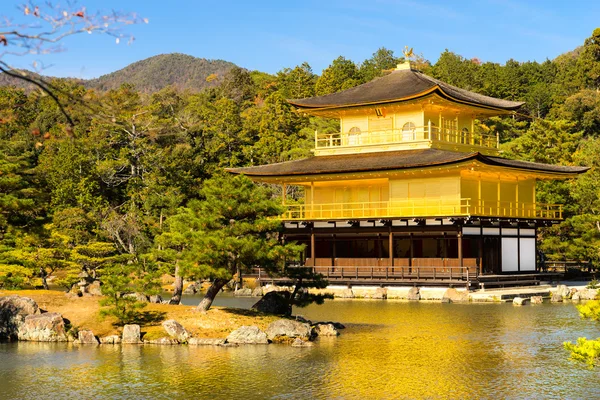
[(84, 313)]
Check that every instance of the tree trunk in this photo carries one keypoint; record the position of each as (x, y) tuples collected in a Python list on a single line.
[(211, 293), (44, 275), (176, 298)]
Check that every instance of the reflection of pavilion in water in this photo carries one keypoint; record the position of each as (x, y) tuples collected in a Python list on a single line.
[(409, 190)]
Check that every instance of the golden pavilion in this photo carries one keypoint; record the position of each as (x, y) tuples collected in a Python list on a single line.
[(409, 191)]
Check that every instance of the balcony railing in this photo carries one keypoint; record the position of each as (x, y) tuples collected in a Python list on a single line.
[(390, 136), (422, 208)]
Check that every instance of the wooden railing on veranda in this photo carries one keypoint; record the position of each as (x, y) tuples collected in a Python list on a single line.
[(419, 133), (422, 208)]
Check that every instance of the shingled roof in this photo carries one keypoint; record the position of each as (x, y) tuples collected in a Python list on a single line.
[(392, 160), (401, 85)]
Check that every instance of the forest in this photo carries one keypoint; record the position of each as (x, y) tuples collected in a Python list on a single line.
[(100, 181)]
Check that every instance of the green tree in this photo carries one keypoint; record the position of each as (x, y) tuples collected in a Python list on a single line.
[(297, 83), (340, 75), (588, 62), (585, 350), (383, 59), (229, 232)]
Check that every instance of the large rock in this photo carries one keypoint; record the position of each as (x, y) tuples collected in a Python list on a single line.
[(175, 330), (454, 296), (576, 296), (48, 327), (283, 330), (112, 339), (325, 329), (248, 335), (520, 301), (13, 310), (556, 298), (347, 294), (257, 292), (86, 337), (413, 294), (205, 341), (537, 299), (380, 294), (131, 334), (243, 292), (274, 303)]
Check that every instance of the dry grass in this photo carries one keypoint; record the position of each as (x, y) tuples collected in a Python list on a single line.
[(84, 313)]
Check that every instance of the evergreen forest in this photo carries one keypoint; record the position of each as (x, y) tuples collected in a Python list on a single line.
[(99, 181)]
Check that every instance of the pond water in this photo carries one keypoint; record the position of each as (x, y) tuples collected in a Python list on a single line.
[(390, 350)]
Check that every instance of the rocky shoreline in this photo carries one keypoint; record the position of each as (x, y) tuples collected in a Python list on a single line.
[(22, 320), (438, 294)]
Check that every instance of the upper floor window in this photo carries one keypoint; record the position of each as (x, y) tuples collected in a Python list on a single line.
[(408, 131), (354, 136)]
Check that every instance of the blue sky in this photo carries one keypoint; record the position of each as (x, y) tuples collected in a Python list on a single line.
[(271, 35)]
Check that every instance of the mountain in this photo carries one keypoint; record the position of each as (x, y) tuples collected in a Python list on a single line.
[(152, 74)]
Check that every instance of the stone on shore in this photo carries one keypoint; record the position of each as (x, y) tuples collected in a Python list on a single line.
[(284, 330), (94, 289), (588, 294), (243, 292), (13, 310), (563, 291), (257, 292), (163, 341), (380, 294), (112, 339), (86, 337), (537, 299), (175, 330), (274, 303), (248, 335), (325, 329), (347, 294), (520, 301), (454, 296), (556, 298), (142, 298), (131, 334), (301, 343), (156, 299), (413, 294), (48, 327), (576, 297), (205, 341), (193, 288)]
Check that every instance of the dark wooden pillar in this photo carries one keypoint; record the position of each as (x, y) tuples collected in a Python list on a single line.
[(312, 246), (480, 250), (391, 246), (460, 247), (410, 260), (333, 255)]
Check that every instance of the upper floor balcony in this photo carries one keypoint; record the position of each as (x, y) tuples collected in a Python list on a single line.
[(464, 207), (408, 138)]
